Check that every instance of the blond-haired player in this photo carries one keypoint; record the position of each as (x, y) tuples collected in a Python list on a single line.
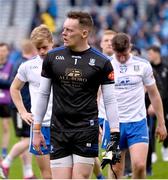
[(30, 72)]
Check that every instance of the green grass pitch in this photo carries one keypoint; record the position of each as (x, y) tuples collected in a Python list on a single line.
[(160, 168)]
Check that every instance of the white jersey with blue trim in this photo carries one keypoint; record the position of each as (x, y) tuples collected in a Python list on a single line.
[(130, 79), (30, 72)]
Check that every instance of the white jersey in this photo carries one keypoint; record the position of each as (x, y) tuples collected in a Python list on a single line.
[(30, 72), (130, 79)]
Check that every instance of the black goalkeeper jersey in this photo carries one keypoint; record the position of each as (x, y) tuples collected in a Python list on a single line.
[(76, 77)]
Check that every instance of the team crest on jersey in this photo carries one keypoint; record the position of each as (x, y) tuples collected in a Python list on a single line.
[(111, 75), (136, 68), (123, 68), (92, 62)]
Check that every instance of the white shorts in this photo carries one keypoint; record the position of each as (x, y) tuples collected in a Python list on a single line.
[(69, 161)]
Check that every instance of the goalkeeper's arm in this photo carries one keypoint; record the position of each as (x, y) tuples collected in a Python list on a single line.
[(112, 155), (111, 106)]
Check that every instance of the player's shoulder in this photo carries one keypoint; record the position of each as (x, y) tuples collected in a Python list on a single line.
[(140, 60), (56, 50), (34, 60), (99, 54)]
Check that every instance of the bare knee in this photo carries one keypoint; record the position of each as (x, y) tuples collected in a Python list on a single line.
[(46, 174), (80, 175), (139, 166), (139, 170), (118, 171)]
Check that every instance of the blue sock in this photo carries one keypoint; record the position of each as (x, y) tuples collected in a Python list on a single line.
[(100, 176), (4, 152)]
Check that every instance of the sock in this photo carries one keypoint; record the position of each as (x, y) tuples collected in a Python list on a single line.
[(100, 176), (27, 170), (4, 152), (7, 161)]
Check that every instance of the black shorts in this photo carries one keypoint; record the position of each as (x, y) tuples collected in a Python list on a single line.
[(5, 111), (22, 129), (83, 143)]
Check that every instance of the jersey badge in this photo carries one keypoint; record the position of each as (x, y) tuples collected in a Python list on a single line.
[(123, 68), (136, 68), (92, 62)]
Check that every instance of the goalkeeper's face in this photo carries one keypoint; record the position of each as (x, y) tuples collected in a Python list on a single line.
[(43, 48), (74, 35)]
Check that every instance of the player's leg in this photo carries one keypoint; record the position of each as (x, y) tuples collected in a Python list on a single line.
[(61, 161), (117, 168), (62, 168), (27, 165), (16, 150), (22, 130), (83, 167), (138, 154), (5, 114), (138, 140), (5, 135), (44, 165), (43, 160), (97, 169), (85, 150)]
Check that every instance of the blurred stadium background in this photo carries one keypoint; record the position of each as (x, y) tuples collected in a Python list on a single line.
[(146, 21)]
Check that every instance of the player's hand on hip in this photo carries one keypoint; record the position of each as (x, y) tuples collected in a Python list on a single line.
[(161, 132), (27, 117), (38, 141)]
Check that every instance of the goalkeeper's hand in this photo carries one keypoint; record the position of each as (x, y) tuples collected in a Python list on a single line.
[(113, 153)]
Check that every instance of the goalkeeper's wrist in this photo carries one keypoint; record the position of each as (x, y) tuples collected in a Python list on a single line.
[(36, 131), (115, 137), (36, 127)]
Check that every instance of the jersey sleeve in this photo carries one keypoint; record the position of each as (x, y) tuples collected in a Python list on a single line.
[(148, 77), (108, 74), (22, 72), (46, 70)]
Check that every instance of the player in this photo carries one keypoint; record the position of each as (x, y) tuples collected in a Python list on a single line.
[(75, 72), (29, 72), (22, 129), (5, 99), (132, 73)]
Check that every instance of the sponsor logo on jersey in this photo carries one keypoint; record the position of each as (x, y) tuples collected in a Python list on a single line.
[(123, 81), (136, 68), (73, 72), (92, 62), (111, 76), (59, 58), (123, 68)]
